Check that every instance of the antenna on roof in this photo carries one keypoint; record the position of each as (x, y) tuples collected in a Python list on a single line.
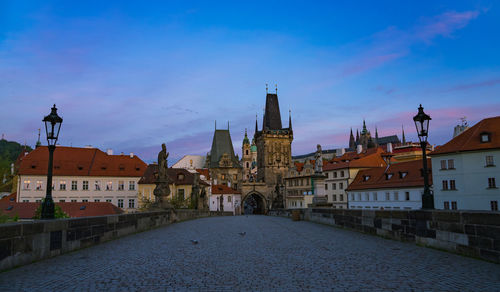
[(276, 86), (228, 125), (266, 88)]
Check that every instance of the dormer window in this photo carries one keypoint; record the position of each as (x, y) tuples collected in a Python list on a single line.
[(402, 174), (388, 176), (181, 176), (366, 177), (485, 137)]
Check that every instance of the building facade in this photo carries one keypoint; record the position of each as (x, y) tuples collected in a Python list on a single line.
[(396, 187), (231, 199), (224, 166), (466, 171), (81, 175)]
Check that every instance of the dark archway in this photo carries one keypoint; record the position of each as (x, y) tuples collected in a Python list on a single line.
[(254, 204)]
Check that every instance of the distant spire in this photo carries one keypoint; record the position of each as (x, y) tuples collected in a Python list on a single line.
[(256, 126), (352, 142), (357, 136), (38, 143), (364, 131), (290, 119), (376, 137), (404, 139)]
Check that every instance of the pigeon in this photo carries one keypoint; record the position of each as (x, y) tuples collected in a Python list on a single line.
[(242, 233), (194, 241)]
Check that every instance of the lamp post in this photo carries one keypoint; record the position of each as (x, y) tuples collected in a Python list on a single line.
[(422, 124), (52, 126)]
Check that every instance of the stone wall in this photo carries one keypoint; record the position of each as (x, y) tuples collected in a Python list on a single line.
[(471, 233), (25, 242)]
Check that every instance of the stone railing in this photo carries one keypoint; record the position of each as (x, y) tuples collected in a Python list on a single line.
[(25, 242), (471, 233)]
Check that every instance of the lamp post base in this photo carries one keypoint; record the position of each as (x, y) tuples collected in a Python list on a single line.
[(427, 202), (47, 209)]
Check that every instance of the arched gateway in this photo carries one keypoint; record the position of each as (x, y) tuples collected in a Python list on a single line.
[(254, 203)]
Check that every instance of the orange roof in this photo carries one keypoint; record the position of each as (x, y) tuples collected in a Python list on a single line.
[(369, 158), (10, 198), (73, 209), (379, 178), (205, 172), (72, 161), (471, 139), (222, 189)]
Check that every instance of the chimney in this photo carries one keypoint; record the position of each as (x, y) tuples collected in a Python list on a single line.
[(109, 151), (131, 155), (389, 147), (359, 149), (340, 152)]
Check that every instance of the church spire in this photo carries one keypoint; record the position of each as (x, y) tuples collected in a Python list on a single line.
[(256, 126), (290, 119), (376, 137), (364, 131), (357, 136), (352, 143), (272, 116), (403, 138), (38, 143)]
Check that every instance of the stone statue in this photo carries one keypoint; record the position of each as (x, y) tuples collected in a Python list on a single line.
[(318, 166), (203, 202), (195, 192), (162, 190)]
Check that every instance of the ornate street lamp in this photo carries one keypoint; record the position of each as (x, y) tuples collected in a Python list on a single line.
[(52, 126), (422, 124)]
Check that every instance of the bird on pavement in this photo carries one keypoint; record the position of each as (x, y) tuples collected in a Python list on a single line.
[(194, 241), (242, 233)]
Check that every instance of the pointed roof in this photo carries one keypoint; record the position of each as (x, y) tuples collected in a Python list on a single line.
[(357, 135), (403, 137), (245, 140), (221, 144), (352, 142), (364, 131), (272, 116), (290, 119)]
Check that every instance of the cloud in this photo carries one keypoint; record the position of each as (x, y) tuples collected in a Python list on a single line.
[(443, 25), (487, 83)]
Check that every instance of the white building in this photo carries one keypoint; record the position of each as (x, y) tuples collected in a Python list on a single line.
[(231, 199), (81, 175), (190, 162), (466, 169), (396, 187)]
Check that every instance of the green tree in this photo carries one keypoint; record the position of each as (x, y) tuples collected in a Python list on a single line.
[(58, 212)]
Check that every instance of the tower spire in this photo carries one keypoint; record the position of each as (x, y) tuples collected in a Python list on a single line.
[(38, 143), (352, 142), (256, 126), (403, 137), (376, 137), (290, 119)]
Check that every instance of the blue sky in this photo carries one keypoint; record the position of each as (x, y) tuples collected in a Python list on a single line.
[(131, 75)]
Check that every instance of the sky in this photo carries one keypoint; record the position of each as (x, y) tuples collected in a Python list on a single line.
[(130, 75)]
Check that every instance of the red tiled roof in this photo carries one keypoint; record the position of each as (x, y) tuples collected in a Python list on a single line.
[(222, 189), (377, 178), (471, 139), (10, 198), (370, 158), (27, 210), (205, 172), (72, 161)]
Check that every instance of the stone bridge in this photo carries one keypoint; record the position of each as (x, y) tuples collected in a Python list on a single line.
[(274, 254)]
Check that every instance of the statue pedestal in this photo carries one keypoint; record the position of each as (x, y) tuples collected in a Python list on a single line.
[(161, 192)]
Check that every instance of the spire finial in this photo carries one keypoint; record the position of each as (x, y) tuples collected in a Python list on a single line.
[(256, 127), (216, 124), (267, 88), (276, 86), (228, 125)]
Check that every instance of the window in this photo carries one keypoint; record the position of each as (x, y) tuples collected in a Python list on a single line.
[(334, 197), (388, 176), (131, 185), (402, 174), (342, 173), (73, 201), (246, 152), (366, 177), (307, 182), (62, 185), (38, 201), (335, 174), (85, 200), (485, 137), (489, 161), (375, 196), (387, 196), (62, 201), (396, 196), (223, 176), (26, 201), (109, 186), (491, 183), (97, 185), (131, 203), (445, 185), (235, 177), (85, 185), (407, 196), (334, 186), (326, 186), (494, 205), (248, 164), (453, 205), (180, 194), (447, 205), (97, 200), (229, 198), (120, 203), (359, 196), (341, 197), (451, 164), (74, 185), (341, 186), (452, 184), (327, 175), (352, 197), (108, 200), (26, 184), (443, 164), (121, 185), (39, 185), (367, 196)]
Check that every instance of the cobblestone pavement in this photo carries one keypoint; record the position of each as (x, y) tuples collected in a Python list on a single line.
[(275, 254)]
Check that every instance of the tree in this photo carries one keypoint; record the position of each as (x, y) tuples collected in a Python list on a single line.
[(58, 212)]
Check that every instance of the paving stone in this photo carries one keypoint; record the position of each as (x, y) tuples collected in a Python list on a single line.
[(276, 254)]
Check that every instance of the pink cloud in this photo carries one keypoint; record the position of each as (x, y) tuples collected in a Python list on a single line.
[(486, 83), (444, 25)]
